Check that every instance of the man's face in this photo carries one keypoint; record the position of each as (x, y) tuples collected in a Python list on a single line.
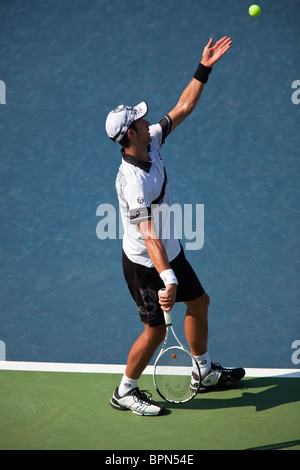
[(142, 131)]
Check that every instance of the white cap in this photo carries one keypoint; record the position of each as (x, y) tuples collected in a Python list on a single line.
[(120, 119)]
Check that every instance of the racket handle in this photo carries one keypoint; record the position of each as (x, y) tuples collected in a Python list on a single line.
[(168, 318)]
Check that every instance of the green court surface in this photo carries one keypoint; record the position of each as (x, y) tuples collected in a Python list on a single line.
[(71, 411)]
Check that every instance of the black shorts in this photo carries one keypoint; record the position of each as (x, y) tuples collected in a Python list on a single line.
[(144, 284)]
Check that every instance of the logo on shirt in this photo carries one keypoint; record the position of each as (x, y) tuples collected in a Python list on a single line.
[(140, 200)]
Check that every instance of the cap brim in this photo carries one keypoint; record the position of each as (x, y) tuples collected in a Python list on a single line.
[(140, 110)]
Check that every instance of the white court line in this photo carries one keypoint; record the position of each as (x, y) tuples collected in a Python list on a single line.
[(120, 369)]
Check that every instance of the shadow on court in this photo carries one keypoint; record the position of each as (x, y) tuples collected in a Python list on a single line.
[(261, 393), (278, 446)]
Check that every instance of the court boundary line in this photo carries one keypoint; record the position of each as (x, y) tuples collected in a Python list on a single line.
[(120, 369)]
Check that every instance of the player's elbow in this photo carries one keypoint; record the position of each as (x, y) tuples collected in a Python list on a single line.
[(190, 107), (148, 231), (186, 108)]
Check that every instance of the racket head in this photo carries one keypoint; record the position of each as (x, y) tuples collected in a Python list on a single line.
[(173, 373)]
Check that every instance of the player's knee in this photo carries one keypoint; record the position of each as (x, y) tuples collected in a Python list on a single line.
[(205, 300), (199, 306), (158, 333), (161, 333)]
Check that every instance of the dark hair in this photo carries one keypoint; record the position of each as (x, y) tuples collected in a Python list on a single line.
[(125, 142)]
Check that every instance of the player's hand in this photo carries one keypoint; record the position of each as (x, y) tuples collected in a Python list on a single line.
[(213, 52), (168, 297)]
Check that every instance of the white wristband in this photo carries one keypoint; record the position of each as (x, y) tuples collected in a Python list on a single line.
[(168, 276)]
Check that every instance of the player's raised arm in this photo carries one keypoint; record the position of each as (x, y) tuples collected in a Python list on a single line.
[(212, 53)]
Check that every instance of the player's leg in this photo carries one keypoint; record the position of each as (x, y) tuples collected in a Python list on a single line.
[(196, 329), (143, 350), (196, 324), (144, 291), (128, 396)]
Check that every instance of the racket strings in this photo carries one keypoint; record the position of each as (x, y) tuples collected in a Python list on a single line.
[(173, 373)]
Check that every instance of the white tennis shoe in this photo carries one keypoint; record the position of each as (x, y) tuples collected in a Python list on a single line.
[(138, 402)]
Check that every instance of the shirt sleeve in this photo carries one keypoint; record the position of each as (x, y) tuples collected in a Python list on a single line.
[(161, 130), (139, 204)]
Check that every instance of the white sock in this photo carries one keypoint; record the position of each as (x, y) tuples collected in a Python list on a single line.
[(204, 363), (127, 385)]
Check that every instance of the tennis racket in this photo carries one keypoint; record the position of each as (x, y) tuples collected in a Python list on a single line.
[(173, 368)]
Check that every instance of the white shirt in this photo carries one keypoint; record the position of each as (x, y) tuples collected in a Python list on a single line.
[(143, 194)]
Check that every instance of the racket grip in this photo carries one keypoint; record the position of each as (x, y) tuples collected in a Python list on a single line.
[(168, 318)]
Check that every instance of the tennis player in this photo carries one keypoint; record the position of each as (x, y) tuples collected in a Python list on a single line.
[(152, 255)]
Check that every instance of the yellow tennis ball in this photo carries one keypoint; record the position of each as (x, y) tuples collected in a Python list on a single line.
[(255, 11), (173, 355)]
